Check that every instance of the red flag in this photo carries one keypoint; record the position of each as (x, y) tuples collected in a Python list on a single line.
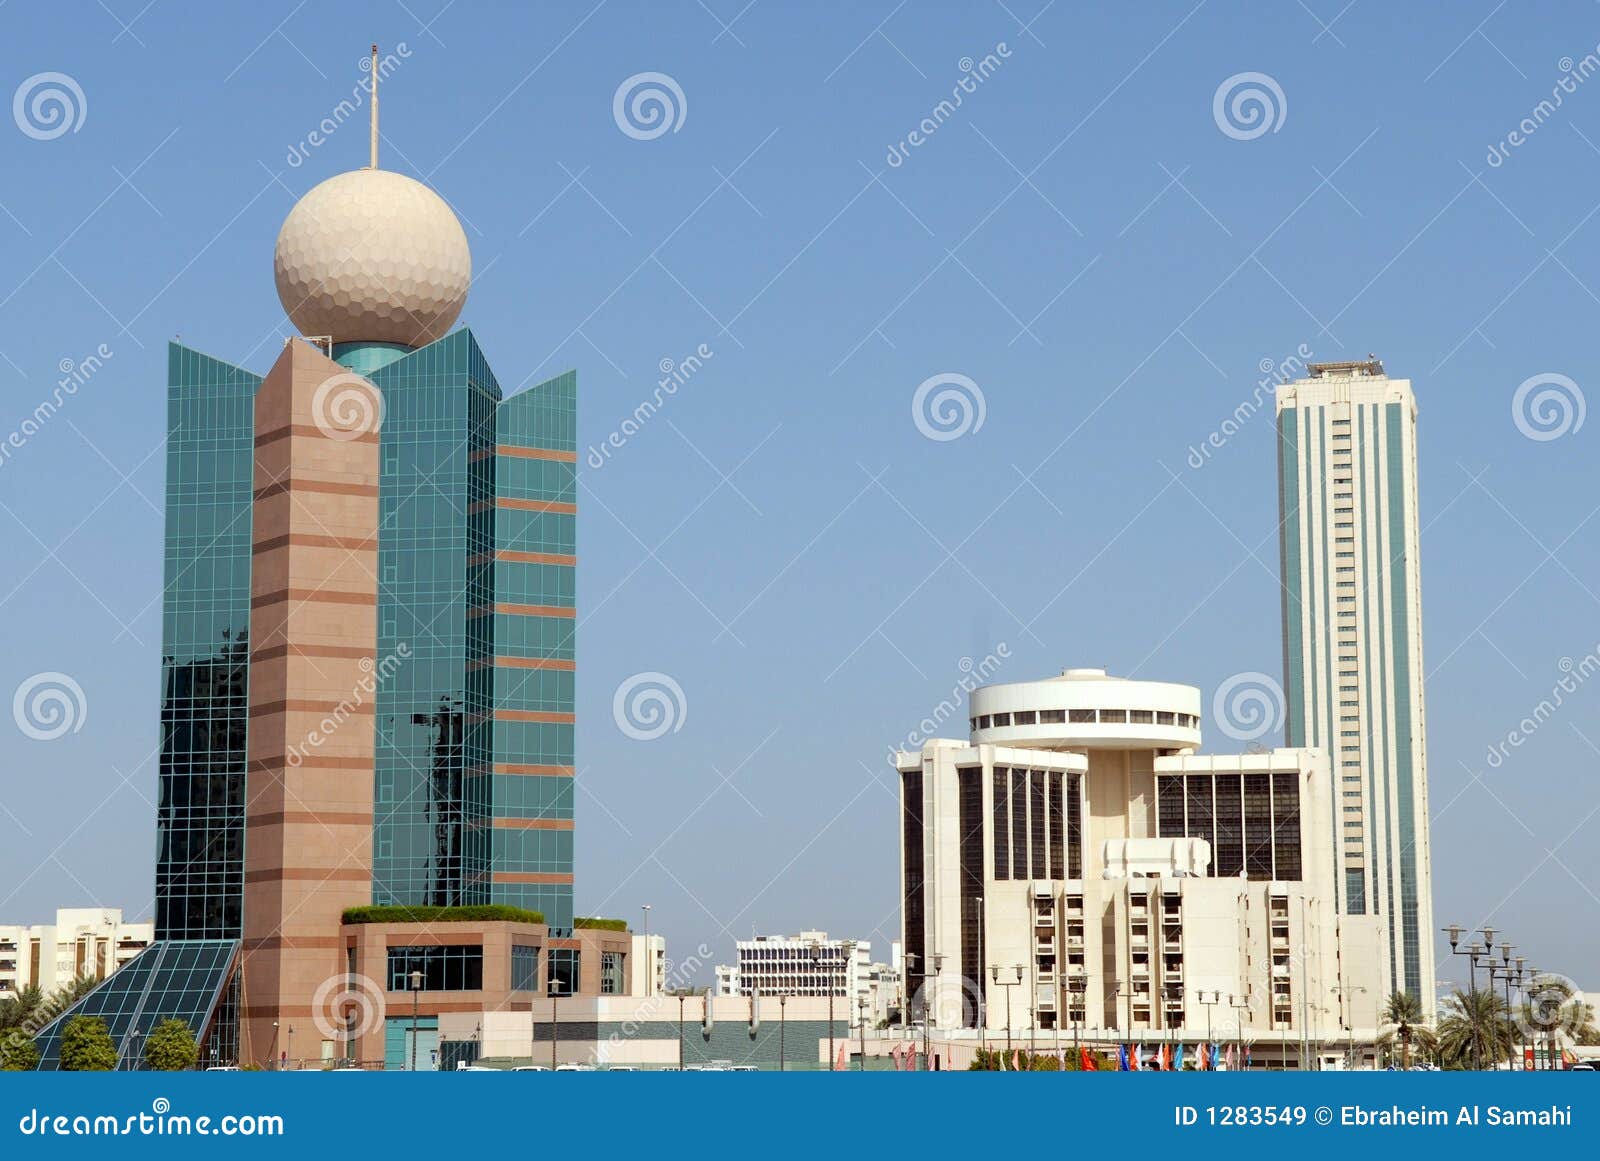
[(1133, 1058), (1016, 1060), (913, 1059), (1086, 1062), (841, 1063)]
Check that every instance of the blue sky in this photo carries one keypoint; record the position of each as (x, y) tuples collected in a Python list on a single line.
[(1081, 239)]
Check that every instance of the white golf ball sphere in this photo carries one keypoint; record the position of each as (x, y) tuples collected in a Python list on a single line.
[(373, 256)]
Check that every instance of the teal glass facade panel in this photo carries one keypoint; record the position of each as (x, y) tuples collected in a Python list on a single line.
[(435, 544), (541, 420), (1405, 774), (205, 647)]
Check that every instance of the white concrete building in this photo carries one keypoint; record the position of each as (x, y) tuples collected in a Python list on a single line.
[(649, 965), (1352, 631), (1076, 866), (808, 964), (83, 941)]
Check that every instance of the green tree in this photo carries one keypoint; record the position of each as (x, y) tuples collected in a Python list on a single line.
[(86, 1046), (1475, 1030), (19, 1010), (18, 1053), (171, 1047)]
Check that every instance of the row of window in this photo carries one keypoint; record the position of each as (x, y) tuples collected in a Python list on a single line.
[(1119, 717), (1038, 824), (1252, 821)]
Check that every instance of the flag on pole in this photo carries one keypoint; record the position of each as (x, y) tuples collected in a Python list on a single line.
[(1177, 1059), (913, 1058), (1200, 1057), (1216, 1055), (841, 1062), (894, 1054), (1016, 1060), (1086, 1062), (1122, 1058), (1166, 1058)]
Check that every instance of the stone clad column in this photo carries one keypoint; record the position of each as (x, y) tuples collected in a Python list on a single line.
[(313, 676)]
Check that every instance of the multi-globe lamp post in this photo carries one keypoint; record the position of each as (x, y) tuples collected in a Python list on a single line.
[(1474, 951)]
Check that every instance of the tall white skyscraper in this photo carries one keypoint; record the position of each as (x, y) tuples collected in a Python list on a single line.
[(1352, 642)]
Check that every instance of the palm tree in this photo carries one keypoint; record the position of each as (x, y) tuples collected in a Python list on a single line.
[(1404, 1012), (18, 1010), (1475, 1029)]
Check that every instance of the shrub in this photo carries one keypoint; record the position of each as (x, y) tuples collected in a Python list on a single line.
[(593, 924), (171, 1047), (18, 1053), (480, 914), (86, 1046)]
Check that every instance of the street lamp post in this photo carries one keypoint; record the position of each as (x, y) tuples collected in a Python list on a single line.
[(555, 1020), (783, 1002), (1474, 952), (861, 1009), (1240, 1005), (1076, 987), (994, 971), (289, 1049), (1216, 998), (416, 1002), (927, 1027), (681, 998), (272, 1053)]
